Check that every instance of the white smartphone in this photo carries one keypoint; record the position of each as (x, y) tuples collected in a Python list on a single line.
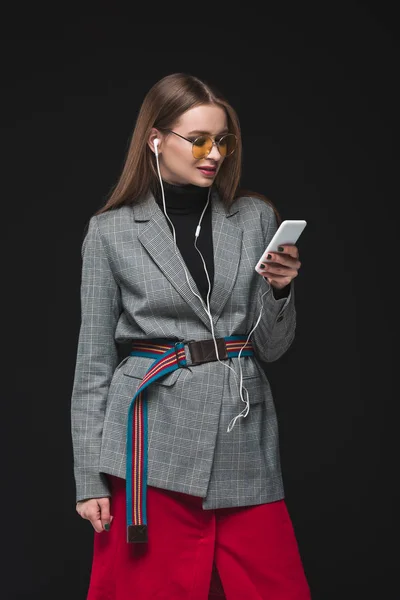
[(288, 232)]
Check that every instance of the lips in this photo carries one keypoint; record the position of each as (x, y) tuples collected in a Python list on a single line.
[(208, 170)]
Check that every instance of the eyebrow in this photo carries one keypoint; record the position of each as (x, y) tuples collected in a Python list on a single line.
[(207, 132)]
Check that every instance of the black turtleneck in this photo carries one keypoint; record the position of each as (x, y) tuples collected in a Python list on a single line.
[(185, 203)]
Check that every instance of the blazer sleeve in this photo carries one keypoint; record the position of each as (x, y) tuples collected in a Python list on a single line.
[(276, 329), (96, 360)]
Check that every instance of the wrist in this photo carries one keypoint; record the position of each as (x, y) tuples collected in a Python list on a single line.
[(282, 292)]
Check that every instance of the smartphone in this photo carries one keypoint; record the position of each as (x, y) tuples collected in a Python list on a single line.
[(288, 232)]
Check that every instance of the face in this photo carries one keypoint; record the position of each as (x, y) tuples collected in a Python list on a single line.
[(177, 163)]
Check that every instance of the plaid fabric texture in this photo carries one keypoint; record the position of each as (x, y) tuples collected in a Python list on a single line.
[(133, 286)]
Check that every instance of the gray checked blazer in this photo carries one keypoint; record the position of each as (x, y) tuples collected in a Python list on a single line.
[(133, 286)]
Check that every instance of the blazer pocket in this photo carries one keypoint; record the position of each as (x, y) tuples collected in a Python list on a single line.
[(137, 367), (255, 389)]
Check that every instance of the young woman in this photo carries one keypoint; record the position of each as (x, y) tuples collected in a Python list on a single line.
[(176, 452)]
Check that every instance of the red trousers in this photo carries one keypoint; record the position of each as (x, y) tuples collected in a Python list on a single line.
[(246, 553)]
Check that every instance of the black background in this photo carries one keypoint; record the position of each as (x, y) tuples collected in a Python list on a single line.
[(316, 93)]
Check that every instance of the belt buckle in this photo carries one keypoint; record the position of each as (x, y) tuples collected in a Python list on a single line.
[(204, 351)]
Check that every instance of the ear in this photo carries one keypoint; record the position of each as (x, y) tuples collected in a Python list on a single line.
[(154, 134)]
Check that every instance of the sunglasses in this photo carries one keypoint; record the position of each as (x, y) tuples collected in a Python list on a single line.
[(202, 145)]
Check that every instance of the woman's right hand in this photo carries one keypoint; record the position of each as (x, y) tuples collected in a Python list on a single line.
[(97, 511)]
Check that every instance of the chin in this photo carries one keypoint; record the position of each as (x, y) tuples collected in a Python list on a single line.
[(203, 181)]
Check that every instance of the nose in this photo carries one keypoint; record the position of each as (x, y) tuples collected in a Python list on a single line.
[(214, 154)]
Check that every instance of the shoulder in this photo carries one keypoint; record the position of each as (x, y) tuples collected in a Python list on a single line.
[(110, 222), (113, 218), (101, 226), (251, 205)]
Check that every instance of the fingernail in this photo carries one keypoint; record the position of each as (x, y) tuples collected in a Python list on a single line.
[(269, 256), (280, 249), (107, 526), (262, 266)]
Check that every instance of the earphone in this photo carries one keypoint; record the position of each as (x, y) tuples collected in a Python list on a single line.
[(206, 307)]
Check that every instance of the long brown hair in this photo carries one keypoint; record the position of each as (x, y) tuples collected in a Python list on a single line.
[(162, 106)]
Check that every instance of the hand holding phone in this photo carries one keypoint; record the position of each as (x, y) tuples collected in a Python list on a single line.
[(288, 232)]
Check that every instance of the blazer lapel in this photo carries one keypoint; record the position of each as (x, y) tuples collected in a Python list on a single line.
[(158, 240), (227, 242)]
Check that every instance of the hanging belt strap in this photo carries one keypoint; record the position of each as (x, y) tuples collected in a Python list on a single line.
[(169, 356)]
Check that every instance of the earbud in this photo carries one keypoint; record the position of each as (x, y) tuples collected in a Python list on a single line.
[(156, 142)]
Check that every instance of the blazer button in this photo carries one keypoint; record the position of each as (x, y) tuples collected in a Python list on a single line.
[(280, 318)]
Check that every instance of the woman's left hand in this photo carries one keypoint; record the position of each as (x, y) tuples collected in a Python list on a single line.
[(282, 267)]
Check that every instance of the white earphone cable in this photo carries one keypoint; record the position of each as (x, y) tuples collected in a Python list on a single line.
[(206, 306)]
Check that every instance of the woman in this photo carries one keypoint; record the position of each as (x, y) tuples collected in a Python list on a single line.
[(176, 453)]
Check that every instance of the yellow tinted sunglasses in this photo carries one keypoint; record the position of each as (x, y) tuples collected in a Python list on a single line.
[(203, 144)]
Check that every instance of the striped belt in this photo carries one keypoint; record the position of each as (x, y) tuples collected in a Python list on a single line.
[(169, 356)]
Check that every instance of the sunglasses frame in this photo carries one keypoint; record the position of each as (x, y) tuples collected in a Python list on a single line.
[(214, 143)]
